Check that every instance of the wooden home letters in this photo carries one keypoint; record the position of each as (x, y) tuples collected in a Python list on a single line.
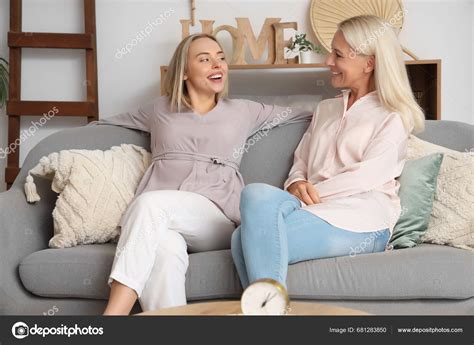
[(271, 37)]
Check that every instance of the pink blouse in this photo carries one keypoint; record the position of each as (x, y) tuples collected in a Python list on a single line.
[(352, 157)]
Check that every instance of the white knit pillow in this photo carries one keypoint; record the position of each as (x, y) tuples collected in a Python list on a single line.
[(95, 189), (451, 220)]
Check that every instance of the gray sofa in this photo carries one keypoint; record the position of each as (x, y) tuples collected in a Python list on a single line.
[(427, 279)]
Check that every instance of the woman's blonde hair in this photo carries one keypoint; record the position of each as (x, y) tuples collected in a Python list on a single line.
[(370, 35), (174, 83)]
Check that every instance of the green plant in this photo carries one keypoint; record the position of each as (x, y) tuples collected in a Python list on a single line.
[(3, 82), (300, 43)]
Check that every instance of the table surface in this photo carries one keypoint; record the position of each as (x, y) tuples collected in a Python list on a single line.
[(233, 308)]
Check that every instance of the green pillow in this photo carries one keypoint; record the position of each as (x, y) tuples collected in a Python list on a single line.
[(417, 190)]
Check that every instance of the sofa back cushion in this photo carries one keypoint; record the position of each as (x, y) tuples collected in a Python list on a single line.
[(454, 135), (268, 161)]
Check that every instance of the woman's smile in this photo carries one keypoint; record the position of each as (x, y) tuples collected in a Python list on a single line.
[(216, 77)]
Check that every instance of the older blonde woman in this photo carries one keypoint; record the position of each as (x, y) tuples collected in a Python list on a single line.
[(188, 198), (341, 193)]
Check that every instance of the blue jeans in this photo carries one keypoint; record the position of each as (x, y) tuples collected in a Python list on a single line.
[(275, 232)]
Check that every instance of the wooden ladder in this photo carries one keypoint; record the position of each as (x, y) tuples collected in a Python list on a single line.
[(17, 39)]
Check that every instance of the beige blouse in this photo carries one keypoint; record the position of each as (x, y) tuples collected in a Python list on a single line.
[(352, 157)]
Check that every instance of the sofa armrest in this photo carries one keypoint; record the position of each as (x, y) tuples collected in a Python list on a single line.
[(24, 229)]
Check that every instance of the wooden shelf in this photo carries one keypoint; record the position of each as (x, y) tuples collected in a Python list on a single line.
[(281, 66), (310, 65), (425, 80), (424, 75)]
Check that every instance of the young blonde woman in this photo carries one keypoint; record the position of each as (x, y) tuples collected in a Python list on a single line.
[(340, 197), (188, 198)]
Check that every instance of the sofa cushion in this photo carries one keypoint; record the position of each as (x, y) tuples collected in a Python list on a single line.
[(451, 221), (95, 188), (82, 272), (417, 189)]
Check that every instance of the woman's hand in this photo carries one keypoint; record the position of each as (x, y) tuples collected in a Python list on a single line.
[(304, 191)]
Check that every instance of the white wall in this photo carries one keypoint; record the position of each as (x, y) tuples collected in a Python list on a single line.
[(441, 29), (472, 62)]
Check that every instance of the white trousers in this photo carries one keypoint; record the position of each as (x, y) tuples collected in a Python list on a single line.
[(158, 229)]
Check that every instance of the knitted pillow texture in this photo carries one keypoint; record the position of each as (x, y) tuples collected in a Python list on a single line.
[(451, 221), (95, 189)]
